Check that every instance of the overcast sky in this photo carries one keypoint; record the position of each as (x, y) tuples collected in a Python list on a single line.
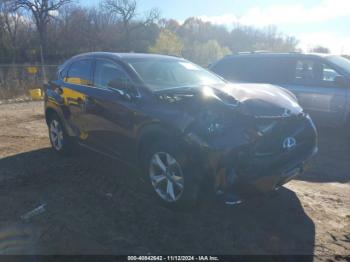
[(313, 22)]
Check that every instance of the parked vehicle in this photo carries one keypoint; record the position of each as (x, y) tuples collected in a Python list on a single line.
[(320, 82), (185, 127)]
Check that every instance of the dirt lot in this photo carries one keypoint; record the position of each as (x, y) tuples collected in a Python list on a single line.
[(94, 205)]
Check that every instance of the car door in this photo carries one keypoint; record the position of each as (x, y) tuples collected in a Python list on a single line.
[(317, 92), (77, 82), (330, 100), (109, 111)]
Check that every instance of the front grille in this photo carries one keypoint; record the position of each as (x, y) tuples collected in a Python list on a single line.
[(268, 153), (274, 132)]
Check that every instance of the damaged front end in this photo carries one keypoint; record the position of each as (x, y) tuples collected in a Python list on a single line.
[(252, 145)]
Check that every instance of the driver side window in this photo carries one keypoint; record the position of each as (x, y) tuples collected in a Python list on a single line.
[(329, 74), (314, 73), (110, 75)]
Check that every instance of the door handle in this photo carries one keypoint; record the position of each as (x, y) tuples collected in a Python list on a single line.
[(87, 104)]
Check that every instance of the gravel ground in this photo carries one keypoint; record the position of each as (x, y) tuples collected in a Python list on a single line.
[(94, 205)]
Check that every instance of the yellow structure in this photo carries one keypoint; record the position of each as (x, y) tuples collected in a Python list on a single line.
[(36, 94), (32, 70)]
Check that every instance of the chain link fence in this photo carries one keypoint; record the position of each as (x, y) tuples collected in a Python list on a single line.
[(17, 79)]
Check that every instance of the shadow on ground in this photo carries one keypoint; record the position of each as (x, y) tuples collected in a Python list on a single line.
[(97, 206)]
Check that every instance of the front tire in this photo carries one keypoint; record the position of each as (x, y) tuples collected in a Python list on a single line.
[(60, 141), (171, 176)]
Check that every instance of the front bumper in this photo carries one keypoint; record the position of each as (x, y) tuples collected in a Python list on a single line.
[(242, 165), (281, 176)]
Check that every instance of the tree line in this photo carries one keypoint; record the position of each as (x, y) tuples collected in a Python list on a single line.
[(53, 30)]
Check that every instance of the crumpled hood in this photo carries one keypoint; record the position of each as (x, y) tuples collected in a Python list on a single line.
[(264, 99), (251, 99)]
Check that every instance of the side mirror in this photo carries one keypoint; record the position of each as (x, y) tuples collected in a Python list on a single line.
[(124, 88), (341, 81)]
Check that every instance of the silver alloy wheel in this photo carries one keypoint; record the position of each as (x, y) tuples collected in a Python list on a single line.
[(166, 176), (56, 134)]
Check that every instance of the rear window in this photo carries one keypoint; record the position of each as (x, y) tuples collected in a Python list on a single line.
[(256, 70)]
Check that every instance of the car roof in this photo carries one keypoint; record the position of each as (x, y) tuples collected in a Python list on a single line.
[(271, 54), (123, 56)]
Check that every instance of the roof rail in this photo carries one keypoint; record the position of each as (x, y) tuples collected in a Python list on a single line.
[(254, 52), (266, 52), (243, 53), (261, 51)]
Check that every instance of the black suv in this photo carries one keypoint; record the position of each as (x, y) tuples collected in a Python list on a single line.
[(185, 127)]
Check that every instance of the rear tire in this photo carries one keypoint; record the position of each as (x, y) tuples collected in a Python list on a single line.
[(170, 175), (60, 141)]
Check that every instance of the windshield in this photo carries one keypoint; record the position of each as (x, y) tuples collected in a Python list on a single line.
[(160, 74), (340, 62)]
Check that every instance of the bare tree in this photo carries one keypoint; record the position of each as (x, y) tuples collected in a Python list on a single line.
[(42, 11), (126, 12), (10, 20), (119, 25), (320, 49)]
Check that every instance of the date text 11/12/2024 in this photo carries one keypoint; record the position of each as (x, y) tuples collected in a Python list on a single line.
[(173, 258)]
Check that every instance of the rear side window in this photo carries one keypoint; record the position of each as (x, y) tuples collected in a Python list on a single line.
[(80, 73), (231, 69), (256, 70)]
